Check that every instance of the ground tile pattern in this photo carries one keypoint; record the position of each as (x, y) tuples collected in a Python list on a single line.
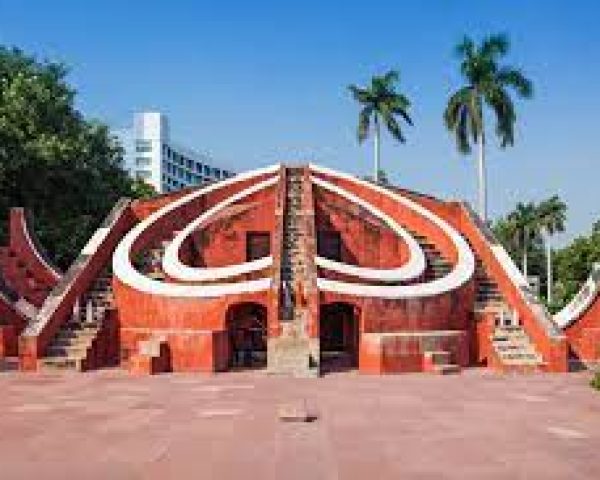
[(106, 424)]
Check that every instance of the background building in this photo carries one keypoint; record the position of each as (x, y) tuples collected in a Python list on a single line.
[(152, 156)]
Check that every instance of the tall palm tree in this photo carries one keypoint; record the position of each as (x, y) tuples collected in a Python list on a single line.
[(487, 83), (552, 215), (381, 103), (525, 225)]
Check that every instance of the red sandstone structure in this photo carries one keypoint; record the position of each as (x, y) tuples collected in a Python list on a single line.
[(294, 269)]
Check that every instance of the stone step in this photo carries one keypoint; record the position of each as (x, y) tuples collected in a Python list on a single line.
[(440, 357), (63, 363), (75, 351), (446, 369)]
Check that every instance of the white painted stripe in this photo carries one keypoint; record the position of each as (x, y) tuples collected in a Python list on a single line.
[(126, 273), (580, 302), (461, 273), (412, 269), (95, 241), (176, 269)]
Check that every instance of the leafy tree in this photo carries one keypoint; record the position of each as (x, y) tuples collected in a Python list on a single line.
[(381, 103), (552, 215), (141, 189), (525, 232), (487, 83), (573, 264), (526, 227), (66, 169)]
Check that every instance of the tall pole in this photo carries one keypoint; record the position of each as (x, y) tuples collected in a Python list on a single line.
[(525, 246), (376, 173), (482, 178), (549, 279)]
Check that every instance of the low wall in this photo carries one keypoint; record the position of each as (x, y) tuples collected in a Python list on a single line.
[(405, 352)]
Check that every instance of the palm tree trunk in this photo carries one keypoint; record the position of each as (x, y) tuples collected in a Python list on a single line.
[(549, 279), (377, 139), (525, 246), (482, 178)]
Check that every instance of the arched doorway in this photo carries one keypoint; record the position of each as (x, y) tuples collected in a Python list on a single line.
[(247, 328), (339, 337)]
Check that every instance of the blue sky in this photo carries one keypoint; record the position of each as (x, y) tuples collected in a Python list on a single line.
[(257, 82)]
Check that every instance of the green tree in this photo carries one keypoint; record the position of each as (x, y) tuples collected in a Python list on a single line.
[(525, 224), (573, 264), (381, 103), (487, 83), (141, 189), (66, 169), (552, 215)]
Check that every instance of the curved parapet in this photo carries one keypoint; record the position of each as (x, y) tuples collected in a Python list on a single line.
[(23, 263), (581, 302), (416, 261), (126, 273), (462, 270), (580, 320)]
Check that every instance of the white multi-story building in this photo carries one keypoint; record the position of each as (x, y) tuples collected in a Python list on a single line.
[(152, 156)]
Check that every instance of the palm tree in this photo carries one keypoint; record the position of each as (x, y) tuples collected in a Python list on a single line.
[(552, 215), (381, 103), (487, 83), (524, 223)]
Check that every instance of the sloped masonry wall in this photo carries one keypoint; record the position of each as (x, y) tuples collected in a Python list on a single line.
[(194, 330)]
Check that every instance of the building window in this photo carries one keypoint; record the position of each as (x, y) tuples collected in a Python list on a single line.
[(189, 164), (199, 167), (258, 245), (143, 161), (143, 174), (329, 245), (217, 173), (188, 176), (143, 146)]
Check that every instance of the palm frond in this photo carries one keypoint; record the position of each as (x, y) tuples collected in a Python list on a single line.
[(514, 78), (504, 110), (391, 77), (364, 123), (462, 131), (553, 214), (457, 118), (465, 48), (393, 127), (495, 46), (361, 95)]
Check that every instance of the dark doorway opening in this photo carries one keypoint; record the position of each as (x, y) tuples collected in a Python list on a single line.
[(339, 337), (247, 328)]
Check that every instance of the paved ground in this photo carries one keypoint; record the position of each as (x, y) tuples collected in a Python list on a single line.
[(477, 425)]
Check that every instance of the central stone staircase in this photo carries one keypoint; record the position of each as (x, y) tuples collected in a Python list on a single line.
[(289, 353), (73, 347)]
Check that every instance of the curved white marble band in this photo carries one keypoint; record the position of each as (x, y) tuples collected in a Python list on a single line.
[(581, 301), (173, 266), (461, 273), (126, 273), (416, 261)]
